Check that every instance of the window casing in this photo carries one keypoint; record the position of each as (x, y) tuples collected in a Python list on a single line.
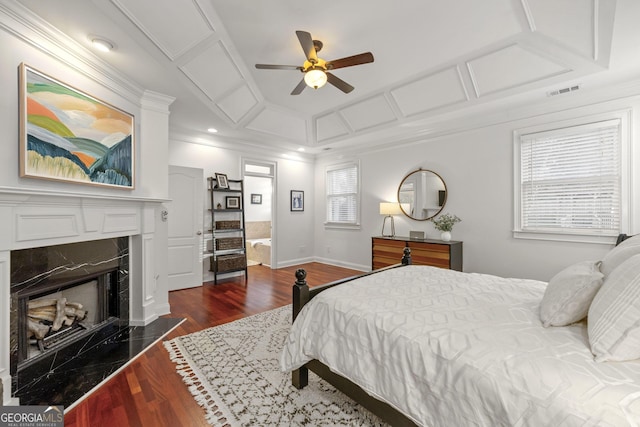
[(570, 182), (342, 187)]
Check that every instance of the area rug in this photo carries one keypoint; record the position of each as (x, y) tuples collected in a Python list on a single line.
[(233, 372)]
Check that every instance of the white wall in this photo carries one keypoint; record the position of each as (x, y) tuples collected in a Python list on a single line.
[(477, 166), (70, 212), (65, 66), (261, 186), (292, 233)]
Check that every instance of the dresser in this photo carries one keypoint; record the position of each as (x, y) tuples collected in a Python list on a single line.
[(387, 251)]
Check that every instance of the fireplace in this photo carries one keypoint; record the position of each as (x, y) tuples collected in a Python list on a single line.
[(54, 315), (65, 299)]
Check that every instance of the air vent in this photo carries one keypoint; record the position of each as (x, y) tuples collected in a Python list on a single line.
[(563, 90)]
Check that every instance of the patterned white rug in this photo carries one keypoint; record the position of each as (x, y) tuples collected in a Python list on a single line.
[(232, 371)]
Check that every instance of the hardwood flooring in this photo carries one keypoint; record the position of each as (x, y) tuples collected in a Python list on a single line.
[(149, 392)]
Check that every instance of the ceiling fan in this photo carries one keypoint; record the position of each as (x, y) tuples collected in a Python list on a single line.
[(316, 70)]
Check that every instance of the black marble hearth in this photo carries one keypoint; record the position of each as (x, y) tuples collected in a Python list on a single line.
[(66, 372), (78, 371)]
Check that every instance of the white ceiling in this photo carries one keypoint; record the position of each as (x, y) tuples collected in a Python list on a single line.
[(431, 58)]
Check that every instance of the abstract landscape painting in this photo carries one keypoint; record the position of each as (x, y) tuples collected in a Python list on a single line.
[(70, 136)]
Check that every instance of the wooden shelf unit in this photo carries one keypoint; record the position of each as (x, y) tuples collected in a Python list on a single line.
[(387, 251), (225, 260)]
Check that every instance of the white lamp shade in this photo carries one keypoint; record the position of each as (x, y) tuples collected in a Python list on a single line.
[(387, 208), (315, 78)]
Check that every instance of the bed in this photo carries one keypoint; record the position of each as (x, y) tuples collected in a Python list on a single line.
[(421, 345)]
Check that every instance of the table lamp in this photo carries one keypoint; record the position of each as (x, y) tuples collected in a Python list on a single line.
[(389, 209)]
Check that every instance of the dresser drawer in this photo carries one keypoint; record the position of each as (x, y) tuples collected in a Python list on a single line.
[(430, 254), (386, 252), (389, 251)]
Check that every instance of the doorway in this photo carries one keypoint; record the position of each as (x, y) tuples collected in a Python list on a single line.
[(185, 215), (259, 218)]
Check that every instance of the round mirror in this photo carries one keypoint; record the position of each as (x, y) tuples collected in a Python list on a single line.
[(422, 194)]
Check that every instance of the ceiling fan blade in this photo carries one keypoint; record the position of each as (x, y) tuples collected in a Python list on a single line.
[(339, 83), (349, 61), (298, 89), (277, 67), (307, 46)]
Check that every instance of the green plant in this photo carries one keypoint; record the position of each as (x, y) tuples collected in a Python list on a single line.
[(445, 222)]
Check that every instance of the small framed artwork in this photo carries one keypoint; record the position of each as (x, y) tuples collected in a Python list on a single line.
[(297, 200), (222, 180), (256, 199), (233, 202)]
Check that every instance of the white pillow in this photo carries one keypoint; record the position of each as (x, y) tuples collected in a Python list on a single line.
[(614, 315), (569, 294), (620, 253)]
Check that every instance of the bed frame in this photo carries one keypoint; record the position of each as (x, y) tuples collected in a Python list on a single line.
[(302, 294)]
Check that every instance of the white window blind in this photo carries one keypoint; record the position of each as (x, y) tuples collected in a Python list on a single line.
[(342, 194), (571, 180)]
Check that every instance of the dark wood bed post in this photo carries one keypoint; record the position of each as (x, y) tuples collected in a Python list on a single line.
[(300, 376), (406, 257)]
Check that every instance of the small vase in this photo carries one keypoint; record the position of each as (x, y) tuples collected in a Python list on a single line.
[(445, 236)]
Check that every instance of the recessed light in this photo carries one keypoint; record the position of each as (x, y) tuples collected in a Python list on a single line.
[(301, 149), (102, 44), (212, 130)]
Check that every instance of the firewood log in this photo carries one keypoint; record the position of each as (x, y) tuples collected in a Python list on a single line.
[(38, 330), (57, 322), (42, 303), (75, 305), (42, 315), (48, 309)]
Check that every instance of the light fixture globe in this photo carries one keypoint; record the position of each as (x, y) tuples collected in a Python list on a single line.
[(102, 44), (315, 78)]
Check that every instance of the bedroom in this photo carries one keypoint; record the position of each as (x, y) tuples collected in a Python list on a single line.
[(471, 149)]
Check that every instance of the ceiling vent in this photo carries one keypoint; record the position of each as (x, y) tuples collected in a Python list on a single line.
[(563, 90)]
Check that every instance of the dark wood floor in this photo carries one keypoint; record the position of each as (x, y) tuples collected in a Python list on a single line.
[(149, 392)]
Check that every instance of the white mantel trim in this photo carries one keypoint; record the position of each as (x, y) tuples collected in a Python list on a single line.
[(30, 218)]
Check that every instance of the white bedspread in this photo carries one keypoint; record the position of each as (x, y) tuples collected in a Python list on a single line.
[(459, 349)]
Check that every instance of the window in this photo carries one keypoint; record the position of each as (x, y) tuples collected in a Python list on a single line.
[(343, 195), (569, 182)]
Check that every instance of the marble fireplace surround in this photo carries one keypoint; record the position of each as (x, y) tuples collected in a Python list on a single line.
[(49, 269), (38, 219)]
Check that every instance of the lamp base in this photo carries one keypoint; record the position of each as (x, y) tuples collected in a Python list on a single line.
[(393, 228)]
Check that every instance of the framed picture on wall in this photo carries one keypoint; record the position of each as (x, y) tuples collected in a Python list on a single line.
[(297, 200), (256, 199), (233, 202), (69, 135), (221, 180)]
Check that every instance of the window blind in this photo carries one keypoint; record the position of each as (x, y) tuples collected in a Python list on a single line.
[(571, 179), (342, 194)]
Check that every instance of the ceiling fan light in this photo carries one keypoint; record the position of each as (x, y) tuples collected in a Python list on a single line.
[(315, 78)]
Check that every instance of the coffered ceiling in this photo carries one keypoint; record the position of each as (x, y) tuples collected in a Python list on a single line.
[(431, 58)]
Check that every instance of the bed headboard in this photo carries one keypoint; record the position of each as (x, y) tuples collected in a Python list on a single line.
[(622, 238)]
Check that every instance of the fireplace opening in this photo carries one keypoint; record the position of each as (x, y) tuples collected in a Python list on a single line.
[(58, 314), (83, 288)]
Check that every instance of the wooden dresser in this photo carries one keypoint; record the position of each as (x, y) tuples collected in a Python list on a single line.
[(438, 253)]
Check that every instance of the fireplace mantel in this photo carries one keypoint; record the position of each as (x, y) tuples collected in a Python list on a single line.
[(36, 218)]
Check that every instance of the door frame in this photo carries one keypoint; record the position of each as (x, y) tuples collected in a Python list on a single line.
[(272, 166)]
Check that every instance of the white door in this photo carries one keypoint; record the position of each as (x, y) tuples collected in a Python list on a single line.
[(186, 210)]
